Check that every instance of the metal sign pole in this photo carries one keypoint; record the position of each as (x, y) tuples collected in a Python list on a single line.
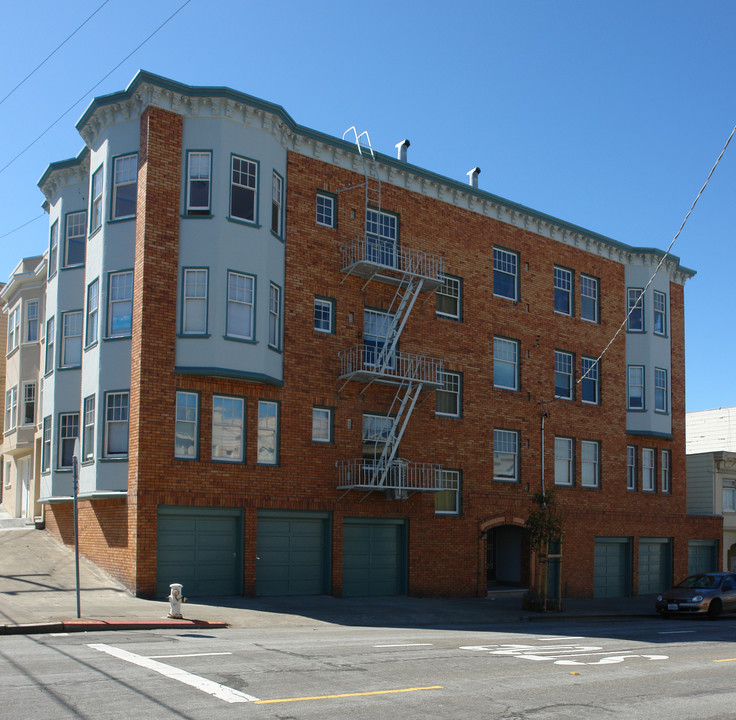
[(75, 477)]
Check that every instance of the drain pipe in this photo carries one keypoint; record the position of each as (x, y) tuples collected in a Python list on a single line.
[(544, 492)]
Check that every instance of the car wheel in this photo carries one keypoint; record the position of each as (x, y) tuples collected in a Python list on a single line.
[(714, 609)]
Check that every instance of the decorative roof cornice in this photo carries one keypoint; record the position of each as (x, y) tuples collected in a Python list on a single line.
[(64, 172)]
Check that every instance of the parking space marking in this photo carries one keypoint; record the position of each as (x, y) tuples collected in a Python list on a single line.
[(405, 645), (222, 692), (348, 695), (164, 657)]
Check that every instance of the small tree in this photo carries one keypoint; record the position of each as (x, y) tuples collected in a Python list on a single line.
[(544, 526)]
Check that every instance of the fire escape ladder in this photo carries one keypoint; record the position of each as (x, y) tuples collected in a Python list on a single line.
[(406, 295), (369, 166)]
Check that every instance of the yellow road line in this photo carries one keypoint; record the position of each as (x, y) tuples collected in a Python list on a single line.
[(347, 695), (726, 660)]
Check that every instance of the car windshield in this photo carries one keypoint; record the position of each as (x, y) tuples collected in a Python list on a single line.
[(701, 581)]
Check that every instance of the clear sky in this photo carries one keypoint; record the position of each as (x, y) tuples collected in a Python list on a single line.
[(608, 115)]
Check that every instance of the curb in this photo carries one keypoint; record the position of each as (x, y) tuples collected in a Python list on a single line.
[(108, 625)]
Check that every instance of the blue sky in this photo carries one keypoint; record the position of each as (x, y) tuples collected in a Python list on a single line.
[(606, 115)]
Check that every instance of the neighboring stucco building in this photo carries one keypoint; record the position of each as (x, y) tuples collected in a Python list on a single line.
[(299, 367)]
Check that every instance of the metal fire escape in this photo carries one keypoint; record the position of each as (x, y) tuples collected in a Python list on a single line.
[(377, 256)]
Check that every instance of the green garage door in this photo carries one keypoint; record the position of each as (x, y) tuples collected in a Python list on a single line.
[(374, 557), (612, 567), (702, 556), (292, 553), (201, 548), (655, 565)]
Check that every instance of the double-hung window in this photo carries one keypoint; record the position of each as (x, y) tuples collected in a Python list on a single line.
[(228, 428), (120, 304), (243, 189), (505, 274), (274, 316), (321, 425), (185, 431), (76, 231), (199, 167), (116, 424), (71, 339), (324, 315), (635, 308), (326, 210), (377, 430), (563, 461), (631, 467), (93, 311), (29, 403), (68, 433), (563, 291), (50, 344), (13, 329), (194, 301), (589, 463), (660, 390), (376, 332), (46, 448), (506, 455), (32, 320), (53, 249), (95, 207), (88, 430), (447, 500), (448, 398), (449, 297), (382, 234), (276, 204), (636, 387), (124, 186), (647, 470), (505, 363), (659, 303), (240, 302), (666, 471), (268, 429), (11, 408), (563, 375), (589, 298), (729, 496), (589, 380)]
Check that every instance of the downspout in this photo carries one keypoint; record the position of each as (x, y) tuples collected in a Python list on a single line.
[(544, 492)]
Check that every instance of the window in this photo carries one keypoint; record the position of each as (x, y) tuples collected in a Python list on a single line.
[(326, 210), (93, 308), (29, 403), (31, 321), (11, 408), (382, 233), (46, 451), (74, 248), (95, 208), (659, 301), (666, 471), (448, 399), (563, 461), (631, 467), (447, 500), (194, 311), (635, 307), (589, 298), (729, 496), (116, 424), (376, 333), (647, 470), (321, 425), (13, 328), (228, 424), (589, 452), (505, 363), (276, 202), (377, 430), (68, 433), (636, 387), (198, 182), (120, 304), (589, 381), (274, 316), (660, 390), (185, 431), (243, 189), (505, 274), (240, 296), (50, 332), (71, 339), (268, 420), (449, 297), (563, 291), (53, 248), (324, 315), (124, 186), (506, 455), (88, 433), (563, 375)]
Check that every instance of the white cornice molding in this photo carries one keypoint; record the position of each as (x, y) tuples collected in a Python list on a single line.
[(63, 177)]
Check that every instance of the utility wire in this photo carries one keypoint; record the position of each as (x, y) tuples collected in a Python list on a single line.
[(53, 52), (73, 105), (20, 227)]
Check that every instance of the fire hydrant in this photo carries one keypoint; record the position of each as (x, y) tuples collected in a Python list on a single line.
[(175, 600)]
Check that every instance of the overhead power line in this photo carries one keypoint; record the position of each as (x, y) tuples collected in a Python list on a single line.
[(20, 227), (54, 51), (95, 86)]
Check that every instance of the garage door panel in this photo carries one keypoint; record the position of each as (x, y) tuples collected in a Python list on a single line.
[(611, 568), (374, 558)]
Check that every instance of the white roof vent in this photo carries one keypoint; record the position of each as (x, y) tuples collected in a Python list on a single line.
[(402, 147), (473, 177)]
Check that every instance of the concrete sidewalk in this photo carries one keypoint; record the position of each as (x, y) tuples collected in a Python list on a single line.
[(38, 594)]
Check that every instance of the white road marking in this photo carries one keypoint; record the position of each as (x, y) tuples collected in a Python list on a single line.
[(164, 657), (222, 692), (560, 653), (405, 645), (611, 659)]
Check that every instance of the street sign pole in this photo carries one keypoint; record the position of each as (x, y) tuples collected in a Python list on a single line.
[(75, 477)]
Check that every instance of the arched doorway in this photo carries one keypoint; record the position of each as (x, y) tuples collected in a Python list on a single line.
[(508, 559)]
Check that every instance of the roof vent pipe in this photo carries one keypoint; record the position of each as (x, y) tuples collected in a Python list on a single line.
[(473, 177), (402, 147)]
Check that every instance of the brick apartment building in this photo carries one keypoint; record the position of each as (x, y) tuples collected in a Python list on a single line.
[(299, 367)]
